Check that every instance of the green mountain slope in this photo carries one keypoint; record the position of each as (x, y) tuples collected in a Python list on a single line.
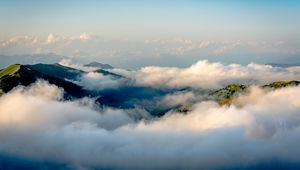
[(15, 75), (9, 70), (226, 95), (57, 74), (281, 84)]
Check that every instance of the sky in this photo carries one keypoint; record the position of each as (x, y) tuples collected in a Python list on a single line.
[(206, 44), (124, 28)]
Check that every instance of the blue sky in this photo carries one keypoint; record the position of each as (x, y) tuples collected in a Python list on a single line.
[(228, 19), (253, 29)]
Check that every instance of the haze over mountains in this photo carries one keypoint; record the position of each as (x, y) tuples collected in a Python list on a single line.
[(165, 59)]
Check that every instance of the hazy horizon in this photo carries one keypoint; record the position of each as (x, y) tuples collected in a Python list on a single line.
[(132, 34)]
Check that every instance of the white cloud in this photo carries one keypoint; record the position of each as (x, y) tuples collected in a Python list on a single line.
[(84, 36), (97, 81), (51, 38), (209, 136), (20, 41), (207, 75), (41, 104), (178, 98), (86, 45), (91, 79)]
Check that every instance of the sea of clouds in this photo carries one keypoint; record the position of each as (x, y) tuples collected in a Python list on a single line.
[(261, 128), (200, 75)]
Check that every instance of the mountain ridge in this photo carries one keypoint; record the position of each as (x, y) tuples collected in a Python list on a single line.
[(99, 65), (15, 75), (125, 97)]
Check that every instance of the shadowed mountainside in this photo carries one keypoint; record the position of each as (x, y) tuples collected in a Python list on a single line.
[(16, 74)]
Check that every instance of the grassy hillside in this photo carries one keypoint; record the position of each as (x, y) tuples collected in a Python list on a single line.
[(226, 95), (10, 70), (15, 75), (281, 84), (57, 74)]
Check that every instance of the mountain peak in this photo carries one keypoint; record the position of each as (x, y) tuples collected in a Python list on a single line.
[(99, 65)]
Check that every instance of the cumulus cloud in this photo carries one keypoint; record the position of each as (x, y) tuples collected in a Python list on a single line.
[(97, 81), (204, 74), (42, 126), (201, 75), (55, 38), (49, 98), (84, 36), (51, 38), (263, 113), (20, 40)]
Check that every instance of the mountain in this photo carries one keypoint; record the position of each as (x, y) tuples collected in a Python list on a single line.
[(58, 71), (108, 73), (99, 65), (17, 74), (126, 96), (281, 84), (130, 96), (226, 95)]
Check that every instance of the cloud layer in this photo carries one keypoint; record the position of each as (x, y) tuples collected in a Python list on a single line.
[(201, 75), (209, 75), (42, 126)]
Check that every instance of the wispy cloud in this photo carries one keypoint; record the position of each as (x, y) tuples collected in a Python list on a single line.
[(86, 45)]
